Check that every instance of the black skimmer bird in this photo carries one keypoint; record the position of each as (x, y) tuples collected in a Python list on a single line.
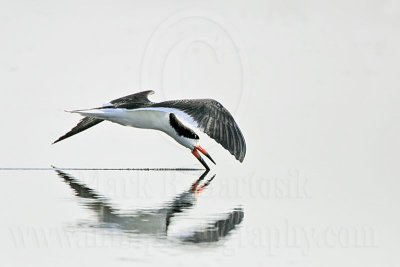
[(177, 118)]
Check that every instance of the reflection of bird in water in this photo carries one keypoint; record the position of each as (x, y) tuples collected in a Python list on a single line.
[(177, 118), (156, 221)]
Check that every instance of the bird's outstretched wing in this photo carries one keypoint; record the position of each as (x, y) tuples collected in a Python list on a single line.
[(133, 101), (213, 119), (83, 124)]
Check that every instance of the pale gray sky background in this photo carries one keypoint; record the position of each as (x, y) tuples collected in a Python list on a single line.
[(314, 86)]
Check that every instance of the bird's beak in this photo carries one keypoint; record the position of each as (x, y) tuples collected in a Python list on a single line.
[(205, 153), (196, 153)]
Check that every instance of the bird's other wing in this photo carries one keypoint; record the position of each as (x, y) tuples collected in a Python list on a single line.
[(133, 101), (83, 124), (213, 119)]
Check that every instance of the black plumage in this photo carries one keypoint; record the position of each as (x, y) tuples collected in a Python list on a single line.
[(181, 129)]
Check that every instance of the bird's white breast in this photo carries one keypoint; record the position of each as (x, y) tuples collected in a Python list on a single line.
[(146, 118), (138, 118)]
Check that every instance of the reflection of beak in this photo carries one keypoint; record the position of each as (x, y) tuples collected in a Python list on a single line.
[(197, 189), (196, 153)]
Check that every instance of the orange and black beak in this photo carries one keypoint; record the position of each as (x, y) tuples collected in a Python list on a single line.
[(196, 153)]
